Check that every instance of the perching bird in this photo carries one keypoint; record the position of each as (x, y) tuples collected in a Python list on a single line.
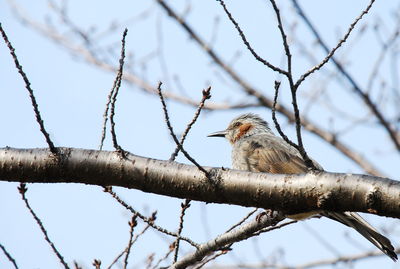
[(255, 148)]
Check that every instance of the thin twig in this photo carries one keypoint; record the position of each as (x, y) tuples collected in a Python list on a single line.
[(77, 265), (132, 242), (364, 96), (293, 90), (35, 106), (171, 249), (288, 74), (22, 190), (268, 229), (242, 220), (9, 257), (275, 120), (149, 260), (132, 225), (184, 206), (343, 259), (171, 130), (150, 220), (213, 257), (115, 90), (90, 57), (265, 101), (299, 146), (96, 263), (244, 39), (105, 119), (330, 246), (339, 44), (385, 47), (206, 95), (284, 40), (226, 239)]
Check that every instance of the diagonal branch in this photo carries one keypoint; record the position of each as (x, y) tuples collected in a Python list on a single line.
[(339, 44), (244, 39), (267, 102), (206, 96), (31, 95), (114, 91), (228, 238), (171, 130), (357, 89), (9, 257), (22, 190)]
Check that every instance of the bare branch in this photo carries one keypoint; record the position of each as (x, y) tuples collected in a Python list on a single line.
[(88, 56), (276, 227), (315, 264), (171, 130), (149, 221), (225, 239), (115, 90), (131, 242), (132, 225), (256, 56), (275, 120), (242, 220), (206, 96), (184, 206), (9, 257), (385, 47), (299, 146), (22, 190), (339, 44), (96, 263), (343, 259), (284, 40), (31, 95), (335, 192), (209, 259), (171, 249), (265, 101), (357, 89)]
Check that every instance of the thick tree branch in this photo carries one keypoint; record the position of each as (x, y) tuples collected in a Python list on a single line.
[(288, 193)]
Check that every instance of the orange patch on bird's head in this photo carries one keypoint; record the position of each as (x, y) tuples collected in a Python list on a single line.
[(242, 130)]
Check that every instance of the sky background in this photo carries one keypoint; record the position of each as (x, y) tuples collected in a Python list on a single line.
[(83, 221)]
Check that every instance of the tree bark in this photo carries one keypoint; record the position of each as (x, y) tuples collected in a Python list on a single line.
[(287, 193)]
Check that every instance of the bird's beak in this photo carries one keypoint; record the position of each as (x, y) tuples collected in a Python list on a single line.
[(218, 134)]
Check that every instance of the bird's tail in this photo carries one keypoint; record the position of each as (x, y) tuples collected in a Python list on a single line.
[(355, 221)]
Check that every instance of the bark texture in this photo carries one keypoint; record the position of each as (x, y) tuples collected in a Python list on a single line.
[(288, 193)]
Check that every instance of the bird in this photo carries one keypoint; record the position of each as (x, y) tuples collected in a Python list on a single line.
[(256, 148)]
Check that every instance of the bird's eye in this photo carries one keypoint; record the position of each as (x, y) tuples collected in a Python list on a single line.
[(237, 124)]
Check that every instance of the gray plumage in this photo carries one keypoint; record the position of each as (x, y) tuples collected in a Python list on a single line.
[(255, 148)]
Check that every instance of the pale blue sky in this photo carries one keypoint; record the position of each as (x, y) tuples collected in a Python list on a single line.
[(85, 223)]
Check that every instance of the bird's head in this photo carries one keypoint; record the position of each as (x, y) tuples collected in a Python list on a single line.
[(243, 126)]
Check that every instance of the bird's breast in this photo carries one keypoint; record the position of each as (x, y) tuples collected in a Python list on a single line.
[(240, 160)]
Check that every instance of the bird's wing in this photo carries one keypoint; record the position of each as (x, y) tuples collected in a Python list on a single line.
[(275, 160), (272, 157)]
